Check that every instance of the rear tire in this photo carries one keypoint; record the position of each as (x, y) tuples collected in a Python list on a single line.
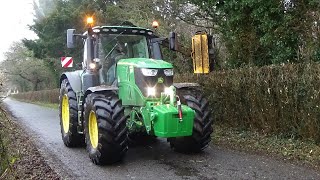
[(202, 126), (106, 141), (68, 113)]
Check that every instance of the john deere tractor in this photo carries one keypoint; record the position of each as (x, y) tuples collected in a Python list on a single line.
[(124, 89)]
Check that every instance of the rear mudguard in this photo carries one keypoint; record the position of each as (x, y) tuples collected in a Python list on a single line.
[(74, 79), (103, 89)]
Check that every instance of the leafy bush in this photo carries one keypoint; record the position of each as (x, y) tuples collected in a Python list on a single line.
[(282, 100)]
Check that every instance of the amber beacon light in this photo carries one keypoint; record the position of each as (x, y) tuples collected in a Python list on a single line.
[(155, 24), (90, 20)]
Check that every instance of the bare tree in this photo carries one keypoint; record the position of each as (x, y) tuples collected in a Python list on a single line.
[(25, 71), (2, 86)]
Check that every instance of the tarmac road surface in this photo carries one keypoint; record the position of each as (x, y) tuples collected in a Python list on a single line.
[(152, 161)]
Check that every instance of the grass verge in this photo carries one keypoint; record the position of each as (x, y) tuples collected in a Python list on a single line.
[(305, 152), (49, 105), (44, 104)]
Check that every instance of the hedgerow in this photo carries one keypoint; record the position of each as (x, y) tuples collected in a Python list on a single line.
[(282, 100), (45, 96)]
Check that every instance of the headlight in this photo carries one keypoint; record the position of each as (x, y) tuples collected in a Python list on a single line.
[(92, 65), (168, 72), (151, 91), (96, 60), (149, 72), (168, 91)]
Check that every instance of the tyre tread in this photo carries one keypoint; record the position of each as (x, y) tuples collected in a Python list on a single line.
[(202, 128), (113, 143), (72, 138)]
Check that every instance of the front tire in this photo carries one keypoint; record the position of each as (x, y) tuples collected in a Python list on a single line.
[(68, 113), (202, 126), (105, 128)]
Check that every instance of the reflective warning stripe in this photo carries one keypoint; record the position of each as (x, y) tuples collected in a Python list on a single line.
[(66, 62)]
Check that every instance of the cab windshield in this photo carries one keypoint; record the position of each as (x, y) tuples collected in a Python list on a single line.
[(114, 47), (129, 46)]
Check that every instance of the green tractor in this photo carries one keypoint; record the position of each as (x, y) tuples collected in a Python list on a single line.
[(126, 89)]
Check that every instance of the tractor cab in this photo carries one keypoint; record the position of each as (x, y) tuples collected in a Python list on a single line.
[(114, 43), (106, 46)]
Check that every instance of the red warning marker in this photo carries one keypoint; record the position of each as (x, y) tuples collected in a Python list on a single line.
[(66, 62)]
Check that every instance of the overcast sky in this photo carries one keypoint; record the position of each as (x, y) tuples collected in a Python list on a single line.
[(15, 15)]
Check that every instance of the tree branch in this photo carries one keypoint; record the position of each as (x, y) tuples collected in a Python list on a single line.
[(192, 23)]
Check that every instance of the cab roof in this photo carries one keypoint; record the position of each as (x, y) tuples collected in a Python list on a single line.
[(122, 30)]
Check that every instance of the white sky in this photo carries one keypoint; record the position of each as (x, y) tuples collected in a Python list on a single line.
[(15, 15)]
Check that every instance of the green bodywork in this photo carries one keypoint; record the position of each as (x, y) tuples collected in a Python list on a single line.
[(156, 116), (166, 122), (129, 92)]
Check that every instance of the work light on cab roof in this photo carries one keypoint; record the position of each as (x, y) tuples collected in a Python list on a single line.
[(90, 20), (155, 24)]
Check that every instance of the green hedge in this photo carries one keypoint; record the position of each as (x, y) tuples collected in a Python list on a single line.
[(46, 96), (282, 100)]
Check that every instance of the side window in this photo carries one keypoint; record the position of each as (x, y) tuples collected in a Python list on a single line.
[(156, 51), (84, 55), (139, 49)]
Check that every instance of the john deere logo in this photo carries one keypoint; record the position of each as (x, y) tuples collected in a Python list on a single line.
[(160, 80)]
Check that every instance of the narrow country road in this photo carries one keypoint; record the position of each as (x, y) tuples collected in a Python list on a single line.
[(155, 161)]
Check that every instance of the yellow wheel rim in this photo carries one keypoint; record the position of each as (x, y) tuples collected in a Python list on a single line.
[(93, 129), (65, 114)]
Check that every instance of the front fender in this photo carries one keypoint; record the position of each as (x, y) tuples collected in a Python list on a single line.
[(186, 85)]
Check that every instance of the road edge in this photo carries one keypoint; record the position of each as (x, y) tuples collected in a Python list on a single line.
[(55, 165)]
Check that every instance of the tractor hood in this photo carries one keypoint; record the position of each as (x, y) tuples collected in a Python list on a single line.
[(145, 63)]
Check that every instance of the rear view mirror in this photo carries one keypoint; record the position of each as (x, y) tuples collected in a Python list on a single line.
[(70, 38), (173, 43)]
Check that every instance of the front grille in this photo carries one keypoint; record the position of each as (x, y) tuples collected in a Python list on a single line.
[(152, 81)]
